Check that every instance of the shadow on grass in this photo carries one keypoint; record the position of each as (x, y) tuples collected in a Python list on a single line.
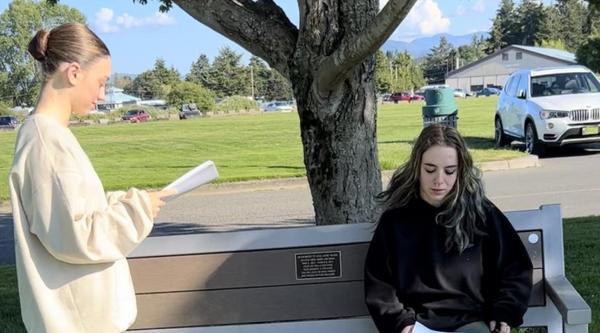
[(7, 240), (10, 313)]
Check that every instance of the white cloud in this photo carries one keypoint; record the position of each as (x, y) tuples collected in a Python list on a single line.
[(107, 23), (479, 6), (103, 20), (427, 18)]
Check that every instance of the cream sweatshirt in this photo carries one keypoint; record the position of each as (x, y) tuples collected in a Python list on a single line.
[(71, 238)]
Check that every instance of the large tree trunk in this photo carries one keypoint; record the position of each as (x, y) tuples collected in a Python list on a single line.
[(329, 61), (340, 151), (338, 124)]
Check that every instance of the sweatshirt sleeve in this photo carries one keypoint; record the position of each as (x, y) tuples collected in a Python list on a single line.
[(511, 278), (388, 313), (60, 216)]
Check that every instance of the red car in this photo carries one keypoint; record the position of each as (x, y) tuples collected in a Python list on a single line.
[(404, 96), (136, 116)]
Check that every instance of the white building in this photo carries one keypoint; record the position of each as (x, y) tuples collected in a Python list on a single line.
[(116, 98), (494, 69)]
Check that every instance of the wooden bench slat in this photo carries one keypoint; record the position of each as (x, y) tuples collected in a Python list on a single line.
[(237, 269), (251, 305)]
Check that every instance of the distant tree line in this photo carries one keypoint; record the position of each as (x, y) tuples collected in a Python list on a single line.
[(226, 76)]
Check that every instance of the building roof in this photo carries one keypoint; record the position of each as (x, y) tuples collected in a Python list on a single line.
[(561, 55), (117, 96), (552, 53)]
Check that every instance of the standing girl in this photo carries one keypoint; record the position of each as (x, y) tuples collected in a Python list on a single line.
[(71, 237)]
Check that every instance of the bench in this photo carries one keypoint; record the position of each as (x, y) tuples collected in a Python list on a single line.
[(310, 279)]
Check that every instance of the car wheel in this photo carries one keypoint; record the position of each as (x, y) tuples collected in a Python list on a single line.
[(500, 139), (532, 144)]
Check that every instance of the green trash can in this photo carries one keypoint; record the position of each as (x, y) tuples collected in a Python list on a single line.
[(440, 107)]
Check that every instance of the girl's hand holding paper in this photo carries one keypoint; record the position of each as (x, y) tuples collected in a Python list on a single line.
[(200, 175)]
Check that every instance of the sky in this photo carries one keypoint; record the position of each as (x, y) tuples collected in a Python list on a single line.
[(137, 34)]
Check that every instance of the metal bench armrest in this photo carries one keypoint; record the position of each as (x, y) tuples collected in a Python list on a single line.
[(570, 304)]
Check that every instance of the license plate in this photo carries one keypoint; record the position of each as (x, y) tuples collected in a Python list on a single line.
[(590, 130)]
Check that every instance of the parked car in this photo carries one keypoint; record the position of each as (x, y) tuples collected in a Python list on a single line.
[(460, 93), (8, 122), (549, 107), (418, 96), (384, 97), (136, 116), (404, 96), (281, 106), (189, 110), (488, 91)]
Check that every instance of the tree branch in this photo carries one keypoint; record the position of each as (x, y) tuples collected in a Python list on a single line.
[(260, 27), (354, 49)]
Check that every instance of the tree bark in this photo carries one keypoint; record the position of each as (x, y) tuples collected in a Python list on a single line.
[(329, 62), (338, 124)]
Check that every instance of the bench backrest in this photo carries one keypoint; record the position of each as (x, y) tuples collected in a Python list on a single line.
[(306, 279)]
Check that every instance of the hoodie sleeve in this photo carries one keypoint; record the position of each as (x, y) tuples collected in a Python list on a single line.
[(388, 313)]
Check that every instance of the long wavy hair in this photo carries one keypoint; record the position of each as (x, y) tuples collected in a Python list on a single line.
[(463, 209)]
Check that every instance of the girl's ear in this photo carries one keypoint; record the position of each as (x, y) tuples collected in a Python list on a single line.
[(74, 73)]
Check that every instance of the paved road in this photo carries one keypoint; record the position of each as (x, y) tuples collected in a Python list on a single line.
[(571, 178)]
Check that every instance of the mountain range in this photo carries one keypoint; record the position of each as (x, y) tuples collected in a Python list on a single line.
[(421, 46)]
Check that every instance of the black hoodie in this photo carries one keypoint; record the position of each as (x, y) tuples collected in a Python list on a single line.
[(410, 276)]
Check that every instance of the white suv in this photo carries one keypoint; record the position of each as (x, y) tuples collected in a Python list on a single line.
[(549, 107)]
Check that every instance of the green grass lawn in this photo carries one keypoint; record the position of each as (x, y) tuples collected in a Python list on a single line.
[(581, 255), (150, 155)]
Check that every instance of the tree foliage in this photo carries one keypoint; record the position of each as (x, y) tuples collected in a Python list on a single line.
[(438, 61), (505, 27), (530, 15), (397, 71), (383, 73), (553, 44), (227, 75), (588, 53), (18, 24), (278, 87), (472, 52), (200, 72), (185, 92), (155, 83), (572, 18), (121, 81)]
